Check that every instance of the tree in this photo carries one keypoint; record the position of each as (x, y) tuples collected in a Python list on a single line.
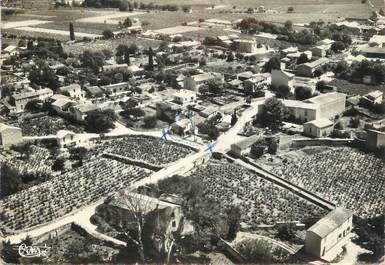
[(58, 165), (282, 91), (302, 93), (127, 57), (22, 43), (100, 121), (354, 122), (11, 180), (108, 34), (337, 46), (123, 6), (34, 105), (321, 86), (72, 32), (9, 254), (150, 122), (273, 113), (127, 22), (273, 63), (286, 232), (289, 25), (150, 66), (230, 57), (302, 59), (234, 118), (133, 49), (30, 45), (186, 9), (290, 9), (215, 87)]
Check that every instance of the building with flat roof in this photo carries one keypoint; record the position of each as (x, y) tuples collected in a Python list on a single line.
[(185, 96), (373, 52), (308, 69)]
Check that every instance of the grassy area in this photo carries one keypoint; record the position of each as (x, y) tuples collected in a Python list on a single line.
[(349, 88)]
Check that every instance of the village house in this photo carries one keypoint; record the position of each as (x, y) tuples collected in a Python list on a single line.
[(183, 127), (319, 51), (62, 104), (308, 69), (73, 91), (309, 83), (80, 112), (375, 139), (243, 147), (318, 128), (9, 136), (373, 98), (301, 111), (66, 139), (114, 67), (377, 40), (256, 83), (282, 78), (184, 96), (326, 238), (22, 99), (93, 91), (246, 46), (117, 89), (194, 82)]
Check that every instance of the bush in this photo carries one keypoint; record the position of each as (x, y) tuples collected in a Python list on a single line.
[(150, 122), (123, 6), (108, 34), (290, 9), (302, 93), (354, 122)]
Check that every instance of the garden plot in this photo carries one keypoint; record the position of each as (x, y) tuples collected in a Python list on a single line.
[(112, 19), (58, 32), (23, 23), (177, 30)]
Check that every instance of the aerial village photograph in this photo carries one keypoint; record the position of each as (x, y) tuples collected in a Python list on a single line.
[(192, 132)]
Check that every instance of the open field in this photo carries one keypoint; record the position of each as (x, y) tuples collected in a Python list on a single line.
[(58, 32), (349, 177), (24, 23)]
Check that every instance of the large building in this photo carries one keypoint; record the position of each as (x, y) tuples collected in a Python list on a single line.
[(327, 106), (195, 81), (22, 99), (9, 135), (326, 238)]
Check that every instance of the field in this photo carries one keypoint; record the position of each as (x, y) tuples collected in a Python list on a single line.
[(94, 21), (355, 89), (62, 194), (262, 202), (345, 176), (151, 150)]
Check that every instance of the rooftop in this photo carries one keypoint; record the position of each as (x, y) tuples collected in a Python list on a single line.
[(245, 143), (321, 123), (317, 63), (325, 98), (330, 222)]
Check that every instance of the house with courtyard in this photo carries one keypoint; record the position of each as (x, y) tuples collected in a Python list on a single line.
[(23, 98)]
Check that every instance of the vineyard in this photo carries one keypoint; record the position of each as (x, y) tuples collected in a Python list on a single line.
[(262, 201), (65, 193), (345, 176), (147, 149)]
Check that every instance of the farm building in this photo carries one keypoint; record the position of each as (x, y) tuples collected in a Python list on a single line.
[(66, 138), (243, 147), (308, 69), (22, 99), (326, 238), (73, 91), (318, 128), (375, 139), (281, 78), (184, 96), (9, 135)]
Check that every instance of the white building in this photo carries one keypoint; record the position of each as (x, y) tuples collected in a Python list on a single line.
[(184, 96), (246, 46), (73, 91), (326, 238), (194, 82), (282, 78), (9, 135)]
